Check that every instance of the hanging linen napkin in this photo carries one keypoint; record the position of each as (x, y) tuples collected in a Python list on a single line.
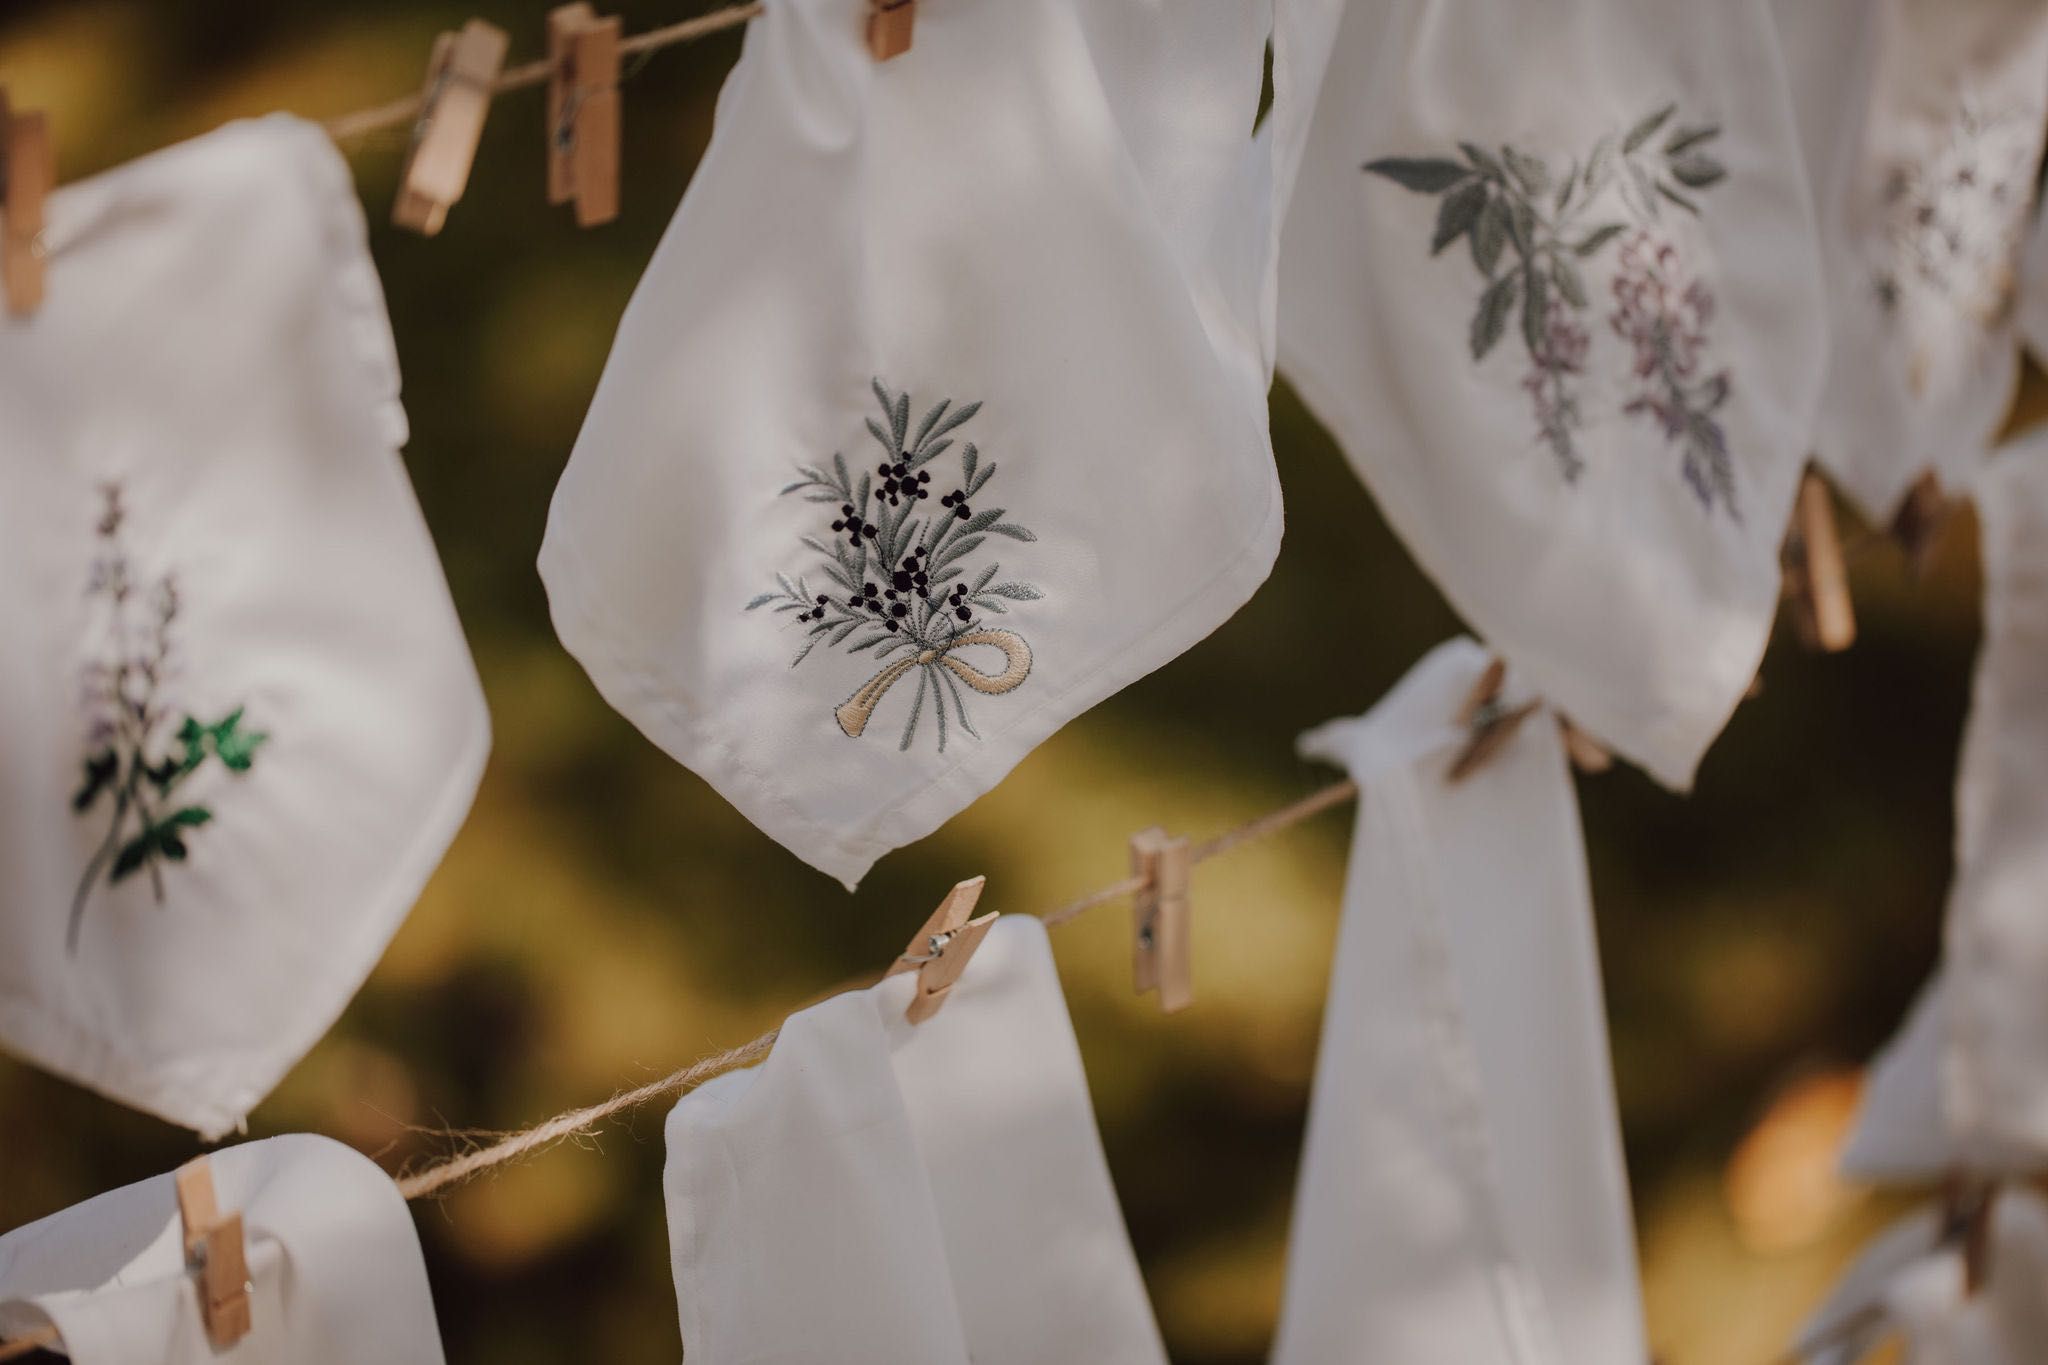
[(1909, 1284), (915, 448), (240, 721), (1924, 122), (2032, 318), (1462, 1194), (335, 1274), (1548, 274), (878, 1190)]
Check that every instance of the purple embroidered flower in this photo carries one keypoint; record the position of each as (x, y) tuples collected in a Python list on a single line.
[(1664, 316)]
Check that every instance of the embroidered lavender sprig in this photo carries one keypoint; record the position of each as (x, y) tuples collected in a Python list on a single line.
[(889, 559), (128, 715), (1531, 233), (1664, 318)]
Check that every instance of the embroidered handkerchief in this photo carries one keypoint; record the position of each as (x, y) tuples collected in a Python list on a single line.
[(926, 1194), (335, 1274), (1462, 1194), (241, 721), (1549, 275), (952, 425)]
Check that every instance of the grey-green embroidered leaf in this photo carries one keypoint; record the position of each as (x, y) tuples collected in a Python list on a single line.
[(1456, 212), (881, 438), (957, 549), (1599, 166), (1697, 170), (1424, 175), (1675, 197), (1646, 188), (1489, 235), (899, 418), (1647, 128), (1565, 188), (1685, 137), (1492, 318), (1522, 227), (924, 428), (1566, 277), (1528, 170), (881, 394), (1591, 243), (1016, 592), (986, 574), (982, 520), (968, 458), (1535, 299), (1012, 530), (1482, 160), (763, 600)]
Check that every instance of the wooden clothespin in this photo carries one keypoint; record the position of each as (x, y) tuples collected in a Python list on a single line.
[(1918, 524), (1967, 1204), (889, 26), (215, 1252), (940, 951), (1588, 754), (583, 112), (1487, 723), (29, 164), (457, 95), (1816, 577), (1161, 925)]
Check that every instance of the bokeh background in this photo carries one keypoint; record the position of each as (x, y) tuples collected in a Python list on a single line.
[(604, 916)]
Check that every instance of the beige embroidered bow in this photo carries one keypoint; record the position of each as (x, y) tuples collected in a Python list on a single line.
[(853, 713)]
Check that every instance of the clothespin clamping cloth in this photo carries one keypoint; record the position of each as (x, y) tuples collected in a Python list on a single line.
[(1160, 919), (889, 26), (1816, 577), (583, 112), (457, 96), (28, 172), (214, 1249), (1488, 724), (1918, 523), (940, 950)]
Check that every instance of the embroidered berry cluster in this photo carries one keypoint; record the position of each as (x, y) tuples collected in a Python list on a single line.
[(901, 573)]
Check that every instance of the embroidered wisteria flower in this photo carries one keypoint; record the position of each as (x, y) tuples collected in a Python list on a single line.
[(1953, 221), (1532, 233), (889, 576), (138, 753), (1664, 317)]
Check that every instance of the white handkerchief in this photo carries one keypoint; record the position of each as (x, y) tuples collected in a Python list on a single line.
[(952, 423), (335, 1273), (1909, 1283), (883, 1191), (1462, 1194), (240, 720), (1549, 275), (1923, 120), (1995, 1062)]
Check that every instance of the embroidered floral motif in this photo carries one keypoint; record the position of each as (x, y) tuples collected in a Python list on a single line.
[(1953, 222), (891, 557), (137, 755), (1531, 233)]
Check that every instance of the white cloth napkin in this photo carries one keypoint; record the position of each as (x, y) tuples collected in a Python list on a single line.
[(1462, 1194), (1549, 275), (335, 1271), (1909, 1283), (239, 718), (952, 423), (878, 1191), (1929, 118)]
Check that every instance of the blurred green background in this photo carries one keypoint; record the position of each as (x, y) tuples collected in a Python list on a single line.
[(604, 916)]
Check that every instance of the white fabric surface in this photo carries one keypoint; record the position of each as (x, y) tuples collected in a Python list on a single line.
[(878, 1191), (334, 1265), (2032, 319), (262, 592), (1919, 1284), (1923, 120), (1052, 209), (1462, 1195), (1604, 509)]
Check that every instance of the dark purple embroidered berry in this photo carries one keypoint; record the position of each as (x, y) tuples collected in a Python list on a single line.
[(963, 613)]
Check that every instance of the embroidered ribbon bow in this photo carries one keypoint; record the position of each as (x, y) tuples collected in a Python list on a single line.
[(853, 713)]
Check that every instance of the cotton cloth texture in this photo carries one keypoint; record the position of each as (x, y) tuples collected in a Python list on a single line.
[(1923, 124), (240, 720), (882, 1191), (1909, 1284), (1462, 1194), (1549, 276), (952, 425), (335, 1272)]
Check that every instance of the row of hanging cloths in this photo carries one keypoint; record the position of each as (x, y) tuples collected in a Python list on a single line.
[(1523, 479)]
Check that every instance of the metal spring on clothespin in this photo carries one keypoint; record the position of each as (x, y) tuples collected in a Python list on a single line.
[(939, 951), (215, 1251), (28, 172)]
